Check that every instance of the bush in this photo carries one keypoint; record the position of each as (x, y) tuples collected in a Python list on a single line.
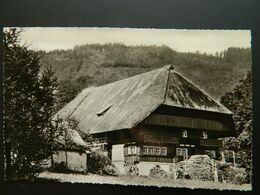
[(176, 170), (158, 172), (231, 174), (110, 170), (200, 167), (197, 167), (131, 169), (239, 175), (99, 163), (60, 167)]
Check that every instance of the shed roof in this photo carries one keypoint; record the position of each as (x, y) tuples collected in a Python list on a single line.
[(125, 103), (73, 141)]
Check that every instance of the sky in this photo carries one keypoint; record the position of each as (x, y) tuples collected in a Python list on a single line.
[(208, 41)]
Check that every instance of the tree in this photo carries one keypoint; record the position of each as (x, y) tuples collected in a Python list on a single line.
[(67, 128), (239, 101), (237, 55), (67, 90), (27, 109)]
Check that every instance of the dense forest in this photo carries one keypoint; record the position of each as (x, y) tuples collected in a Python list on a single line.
[(95, 65)]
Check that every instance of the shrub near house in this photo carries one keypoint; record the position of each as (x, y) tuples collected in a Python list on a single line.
[(201, 167)]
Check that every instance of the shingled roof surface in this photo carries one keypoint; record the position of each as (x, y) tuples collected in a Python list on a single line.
[(125, 103)]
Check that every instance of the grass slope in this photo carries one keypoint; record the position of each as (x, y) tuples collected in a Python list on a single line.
[(143, 181)]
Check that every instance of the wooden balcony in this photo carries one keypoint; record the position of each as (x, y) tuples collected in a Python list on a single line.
[(210, 142), (186, 122), (101, 139), (160, 139)]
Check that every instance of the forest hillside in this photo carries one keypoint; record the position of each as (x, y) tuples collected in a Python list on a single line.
[(95, 65)]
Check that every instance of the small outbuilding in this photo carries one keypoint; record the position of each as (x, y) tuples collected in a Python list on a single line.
[(71, 155)]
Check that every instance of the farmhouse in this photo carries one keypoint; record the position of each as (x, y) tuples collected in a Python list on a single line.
[(153, 118)]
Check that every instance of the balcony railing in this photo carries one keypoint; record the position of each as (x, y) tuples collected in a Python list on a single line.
[(211, 142), (96, 142)]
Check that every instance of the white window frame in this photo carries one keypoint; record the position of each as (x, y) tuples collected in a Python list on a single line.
[(131, 150), (185, 152), (213, 153), (159, 151), (204, 135), (145, 151), (164, 149), (128, 150), (134, 150), (184, 134), (182, 152), (149, 151), (178, 151)]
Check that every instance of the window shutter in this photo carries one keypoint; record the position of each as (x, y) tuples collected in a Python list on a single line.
[(125, 151)]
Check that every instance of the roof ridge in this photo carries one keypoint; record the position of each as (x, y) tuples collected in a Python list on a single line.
[(137, 75), (170, 68)]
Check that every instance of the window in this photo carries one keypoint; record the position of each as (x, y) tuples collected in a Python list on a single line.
[(151, 150), (163, 151), (182, 152), (204, 135), (178, 152), (213, 154), (184, 133), (131, 150), (145, 149), (157, 151)]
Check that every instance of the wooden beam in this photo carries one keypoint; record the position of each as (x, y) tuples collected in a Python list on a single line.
[(211, 142)]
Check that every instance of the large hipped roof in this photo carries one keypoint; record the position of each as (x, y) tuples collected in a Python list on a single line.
[(125, 103)]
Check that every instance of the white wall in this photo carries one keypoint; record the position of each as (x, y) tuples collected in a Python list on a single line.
[(59, 157), (118, 157), (75, 160), (144, 167)]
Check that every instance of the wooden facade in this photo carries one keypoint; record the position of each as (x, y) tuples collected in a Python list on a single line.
[(171, 134)]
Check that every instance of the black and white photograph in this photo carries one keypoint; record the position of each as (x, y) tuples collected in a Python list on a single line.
[(128, 106)]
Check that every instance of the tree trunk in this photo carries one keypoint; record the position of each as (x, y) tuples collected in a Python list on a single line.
[(66, 158), (8, 164)]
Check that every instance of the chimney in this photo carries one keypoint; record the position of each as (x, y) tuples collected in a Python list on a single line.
[(171, 68)]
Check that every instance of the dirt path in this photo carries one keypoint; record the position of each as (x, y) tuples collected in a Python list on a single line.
[(144, 181)]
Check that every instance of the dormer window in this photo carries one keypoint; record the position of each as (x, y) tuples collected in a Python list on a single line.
[(101, 113), (184, 133), (204, 135)]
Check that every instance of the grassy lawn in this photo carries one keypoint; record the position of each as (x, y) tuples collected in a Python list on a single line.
[(145, 181)]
